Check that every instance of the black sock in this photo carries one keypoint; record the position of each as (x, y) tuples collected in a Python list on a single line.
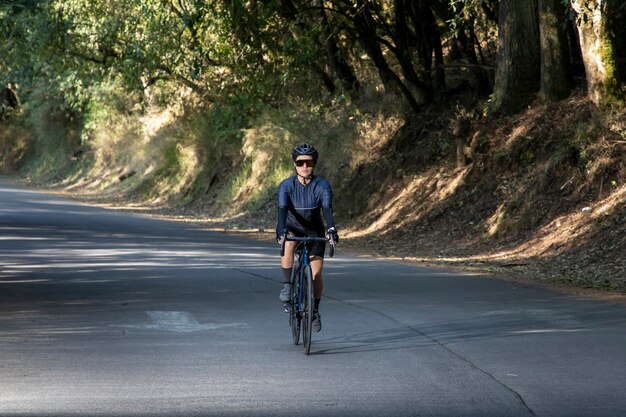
[(287, 275), (317, 303)]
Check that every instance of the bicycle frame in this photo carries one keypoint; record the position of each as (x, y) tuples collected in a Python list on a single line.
[(303, 261)]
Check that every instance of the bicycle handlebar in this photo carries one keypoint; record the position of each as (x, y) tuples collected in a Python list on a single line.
[(307, 239)]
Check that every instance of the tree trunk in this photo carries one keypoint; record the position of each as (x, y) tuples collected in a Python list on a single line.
[(467, 44), (391, 81), (338, 63), (425, 25), (518, 60), (365, 25), (326, 79), (555, 75), (617, 26), (403, 38), (598, 51)]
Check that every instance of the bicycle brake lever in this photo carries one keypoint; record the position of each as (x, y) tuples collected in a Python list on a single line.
[(282, 244)]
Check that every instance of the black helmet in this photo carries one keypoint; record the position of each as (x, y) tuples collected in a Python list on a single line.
[(304, 149)]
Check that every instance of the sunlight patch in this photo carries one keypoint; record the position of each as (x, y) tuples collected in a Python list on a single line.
[(178, 322)]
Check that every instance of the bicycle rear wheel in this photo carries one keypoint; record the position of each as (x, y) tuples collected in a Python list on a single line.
[(294, 314), (307, 308)]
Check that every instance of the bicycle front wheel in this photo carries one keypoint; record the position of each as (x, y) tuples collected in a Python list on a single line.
[(294, 313), (307, 308)]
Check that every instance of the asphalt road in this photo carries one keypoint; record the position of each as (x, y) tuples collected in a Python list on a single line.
[(108, 314)]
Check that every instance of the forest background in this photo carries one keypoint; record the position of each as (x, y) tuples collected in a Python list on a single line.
[(480, 133)]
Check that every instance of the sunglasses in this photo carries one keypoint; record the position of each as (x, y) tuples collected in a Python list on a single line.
[(307, 162)]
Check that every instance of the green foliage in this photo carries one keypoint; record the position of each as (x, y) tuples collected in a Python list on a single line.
[(226, 76), (54, 139)]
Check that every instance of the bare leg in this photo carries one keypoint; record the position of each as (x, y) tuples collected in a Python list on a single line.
[(317, 263), (286, 261)]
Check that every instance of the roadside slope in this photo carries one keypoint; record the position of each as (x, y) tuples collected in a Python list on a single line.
[(542, 197)]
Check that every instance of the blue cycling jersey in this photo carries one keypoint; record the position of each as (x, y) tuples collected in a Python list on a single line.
[(300, 206)]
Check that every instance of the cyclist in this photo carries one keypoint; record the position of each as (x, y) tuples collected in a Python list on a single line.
[(302, 199)]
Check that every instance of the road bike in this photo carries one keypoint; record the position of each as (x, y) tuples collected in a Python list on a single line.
[(301, 306)]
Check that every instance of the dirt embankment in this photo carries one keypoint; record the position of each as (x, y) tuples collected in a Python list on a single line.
[(542, 198)]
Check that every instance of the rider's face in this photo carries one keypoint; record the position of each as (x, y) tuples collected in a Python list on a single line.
[(305, 165)]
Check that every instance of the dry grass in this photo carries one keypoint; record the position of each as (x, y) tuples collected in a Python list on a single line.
[(544, 198)]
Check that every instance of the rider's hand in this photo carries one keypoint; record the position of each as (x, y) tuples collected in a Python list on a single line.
[(281, 237), (331, 234)]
